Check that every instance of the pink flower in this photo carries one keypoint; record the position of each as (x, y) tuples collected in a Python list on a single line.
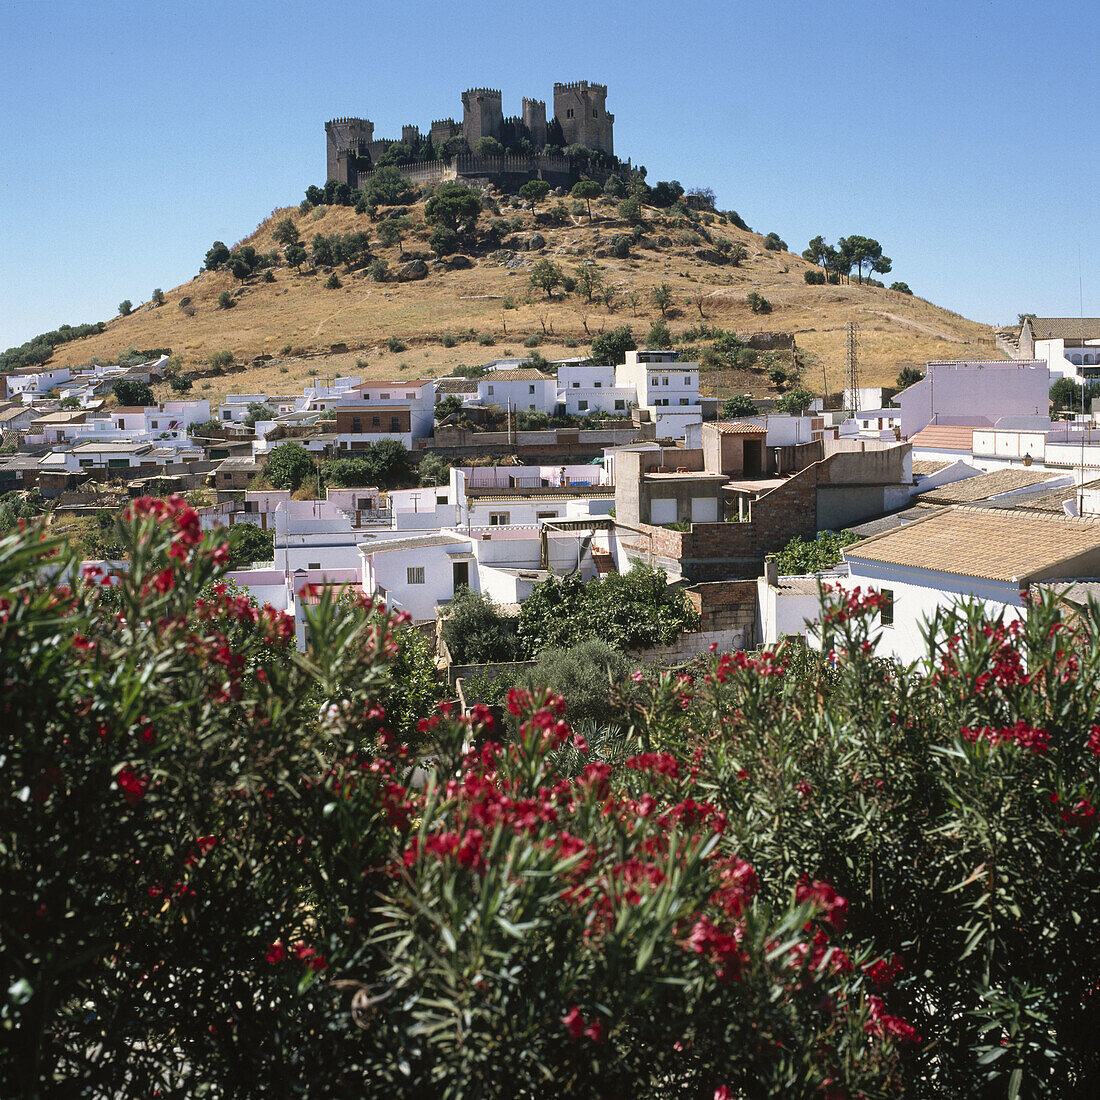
[(275, 953), (574, 1022), (132, 785), (722, 1093)]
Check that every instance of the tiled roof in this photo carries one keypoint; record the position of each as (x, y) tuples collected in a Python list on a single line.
[(1065, 328), (520, 374), (456, 385), (739, 427), (928, 466), (1050, 501), (944, 437), (983, 486), (400, 384), (989, 543)]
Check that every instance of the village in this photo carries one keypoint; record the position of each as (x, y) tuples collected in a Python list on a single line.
[(960, 485)]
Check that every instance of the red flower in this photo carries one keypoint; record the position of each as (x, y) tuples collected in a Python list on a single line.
[(595, 1031), (132, 785), (722, 1093), (833, 908), (276, 952), (164, 581), (574, 1022)]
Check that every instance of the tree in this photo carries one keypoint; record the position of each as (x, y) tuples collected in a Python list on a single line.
[(379, 270), (248, 543), (389, 463), (609, 348), (257, 410), (70, 402), (239, 267), (180, 383), (795, 401), (661, 297), (774, 243), (125, 307), (1066, 394), (451, 405), (534, 192), (630, 209), (862, 253), (391, 231), (158, 297), (909, 376), (778, 377), (296, 256), (286, 232), (737, 254), (226, 300), (633, 299), (658, 337), (387, 187), (589, 280), (587, 190), (131, 394), (739, 405), (757, 302), (321, 251), (901, 288), (216, 256), (433, 470), (333, 282), (289, 465), (546, 275), (454, 205), (488, 147), (443, 241), (475, 630)]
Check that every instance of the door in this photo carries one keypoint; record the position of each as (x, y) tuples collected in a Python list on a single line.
[(461, 571), (753, 464)]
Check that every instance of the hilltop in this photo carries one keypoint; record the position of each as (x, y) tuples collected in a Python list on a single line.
[(470, 314)]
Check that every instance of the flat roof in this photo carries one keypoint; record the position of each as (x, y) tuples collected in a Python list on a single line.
[(987, 543)]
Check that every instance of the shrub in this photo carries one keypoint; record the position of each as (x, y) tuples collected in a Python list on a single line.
[(486, 339), (443, 241), (901, 288), (226, 300), (814, 277), (774, 243), (532, 341), (379, 270), (180, 383), (658, 336), (333, 282), (739, 405), (757, 302), (249, 543), (257, 410), (475, 631), (384, 463), (158, 297), (396, 345), (433, 470), (620, 246), (802, 556), (220, 360), (447, 340), (128, 392), (586, 675), (609, 348), (126, 307)]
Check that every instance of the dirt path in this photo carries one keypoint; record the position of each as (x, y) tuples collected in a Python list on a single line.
[(929, 330)]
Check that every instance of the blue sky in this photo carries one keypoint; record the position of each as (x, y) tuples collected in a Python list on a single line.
[(959, 134)]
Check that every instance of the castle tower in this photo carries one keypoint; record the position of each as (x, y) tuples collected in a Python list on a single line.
[(410, 136), (581, 109), (346, 139), (534, 118), (481, 115)]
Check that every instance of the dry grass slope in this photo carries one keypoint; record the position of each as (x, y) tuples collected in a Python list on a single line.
[(296, 320)]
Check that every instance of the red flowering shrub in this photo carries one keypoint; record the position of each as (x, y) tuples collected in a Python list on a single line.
[(220, 869)]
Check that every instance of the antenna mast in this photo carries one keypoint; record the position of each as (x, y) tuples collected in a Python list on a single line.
[(851, 374)]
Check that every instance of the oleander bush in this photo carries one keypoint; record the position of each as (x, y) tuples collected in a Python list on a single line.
[(796, 875)]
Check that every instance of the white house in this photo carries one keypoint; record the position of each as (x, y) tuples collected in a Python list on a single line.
[(1070, 346), (585, 388), (994, 555), (519, 388), (667, 389), (234, 408), (973, 393), (403, 409)]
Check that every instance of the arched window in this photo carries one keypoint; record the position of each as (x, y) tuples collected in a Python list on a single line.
[(1076, 360), (1088, 361)]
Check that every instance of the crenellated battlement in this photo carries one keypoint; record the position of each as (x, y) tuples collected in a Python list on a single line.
[(579, 118)]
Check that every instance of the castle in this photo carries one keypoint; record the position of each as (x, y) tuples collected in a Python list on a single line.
[(580, 118)]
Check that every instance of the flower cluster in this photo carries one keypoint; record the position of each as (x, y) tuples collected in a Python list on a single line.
[(578, 1028), (1021, 734)]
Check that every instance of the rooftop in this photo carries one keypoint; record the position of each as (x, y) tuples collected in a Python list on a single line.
[(456, 385), (401, 384), (518, 374), (983, 486), (989, 543), (1065, 328), (925, 467), (943, 437), (373, 545), (739, 427), (567, 492), (113, 448)]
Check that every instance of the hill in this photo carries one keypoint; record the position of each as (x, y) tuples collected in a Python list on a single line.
[(487, 309)]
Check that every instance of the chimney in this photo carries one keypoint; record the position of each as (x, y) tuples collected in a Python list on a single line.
[(771, 571)]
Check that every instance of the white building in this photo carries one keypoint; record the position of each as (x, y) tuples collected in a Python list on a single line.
[(403, 409), (585, 388), (519, 388), (667, 389), (1070, 346), (975, 394)]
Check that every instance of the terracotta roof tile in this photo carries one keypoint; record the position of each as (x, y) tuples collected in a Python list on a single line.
[(981, 487), (944, 437), (739, 427)]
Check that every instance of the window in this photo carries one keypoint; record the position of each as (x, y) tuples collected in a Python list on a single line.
[(886, 612), (582, 406), (595, 113), (683, 400), (490, 391), (356, 424), (576, 385), (664, 381), (687, 379), (227, 477), (441, 498), (410, 397), (597, 385), (376, 422), (395, 424), (384, 397), (531, 408), (499, 519), (364, 503), (415, 574), (620, 406), (569, 112), (227, 415), (530, 389), (546, 515), (314, 565)]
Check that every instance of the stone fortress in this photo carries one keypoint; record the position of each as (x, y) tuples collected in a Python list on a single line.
[(449, 150)]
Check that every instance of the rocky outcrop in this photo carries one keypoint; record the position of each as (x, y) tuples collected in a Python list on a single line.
[(415, 269)]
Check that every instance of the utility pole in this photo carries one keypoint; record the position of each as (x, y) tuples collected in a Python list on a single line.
[(851, 374)]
